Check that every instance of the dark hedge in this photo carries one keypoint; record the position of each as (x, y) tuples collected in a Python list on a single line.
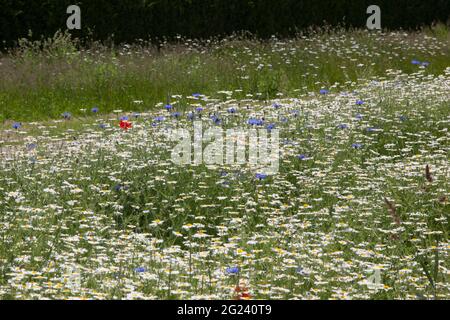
[(133, 19)]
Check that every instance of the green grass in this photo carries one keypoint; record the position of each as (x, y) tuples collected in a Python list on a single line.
[(41, 80)]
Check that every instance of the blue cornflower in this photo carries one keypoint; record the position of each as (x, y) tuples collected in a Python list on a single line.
[(17, 125), (359, 102), (215, 119), (276, 105), (223, 173), (176, 114), (196, 95), (232, 270), (371, 129), (342, 126), (66, 115), (124, 118), (324, 91), (302, 157), (140, 269), (359, 116), (120, 187), (357, 145), (257, 122), (425, 63), (301, 271), (416, 62), (261, 176), (31, 146), (191, 116), (231, 110), (102, 126), (94, 110), (159, 118), (168, 106), (270, 126), (199, 109)]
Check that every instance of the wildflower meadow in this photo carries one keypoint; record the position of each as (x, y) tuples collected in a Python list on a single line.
[(310, 167)]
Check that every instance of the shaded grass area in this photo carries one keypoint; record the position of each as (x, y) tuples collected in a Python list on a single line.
[(42, 80)]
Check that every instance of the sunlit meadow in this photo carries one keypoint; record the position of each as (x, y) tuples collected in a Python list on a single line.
[(91, 206)]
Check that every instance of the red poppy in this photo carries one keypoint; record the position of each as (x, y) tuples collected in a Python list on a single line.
[(242, 293), (125, 125), (245, 296)]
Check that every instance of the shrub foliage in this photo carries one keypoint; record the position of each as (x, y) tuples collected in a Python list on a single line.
[(128, 20)]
